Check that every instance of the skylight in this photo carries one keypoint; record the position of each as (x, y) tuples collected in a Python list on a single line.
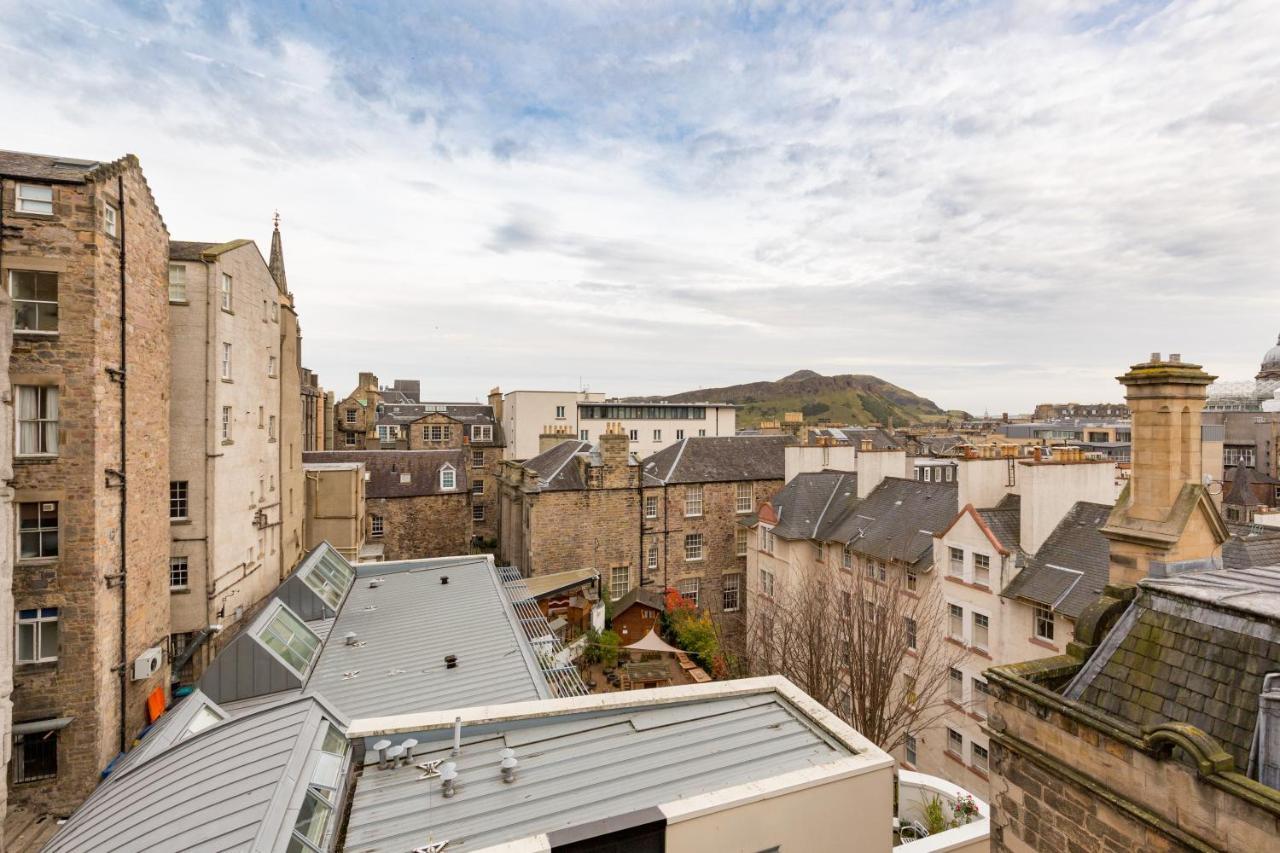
[(203, 719), (329, 577), (287, 636), (311, 830)]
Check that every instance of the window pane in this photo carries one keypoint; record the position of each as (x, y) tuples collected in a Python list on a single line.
[(313, 819), (26, 642), (48, 639)]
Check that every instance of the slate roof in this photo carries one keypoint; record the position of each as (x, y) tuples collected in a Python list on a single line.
[(406, 412), (184, 250), (45, 167), (1251, 546), (641, 595), (718, 459), (1193, 649), (1073, 565), (408, 624), (809, 505), (556, 468), (881, 439), (385, 468), (1005, 525), (897, 520), (234, 786), (584, 767), (1250, 487)]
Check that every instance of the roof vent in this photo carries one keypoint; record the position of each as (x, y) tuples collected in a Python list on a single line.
[(508, 765), (381, 747), (448, 776), (450, 661), (374, 583), (350, 638), (408, 743), (444, 579)]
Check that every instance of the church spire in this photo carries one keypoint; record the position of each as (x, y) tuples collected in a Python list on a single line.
[(276, 265)]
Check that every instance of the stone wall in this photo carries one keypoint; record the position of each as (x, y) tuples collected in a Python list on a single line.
[(82, 683), (423, 526), (292, 498)]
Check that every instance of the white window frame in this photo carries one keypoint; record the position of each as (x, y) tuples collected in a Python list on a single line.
[(482, 432), (981, 574), (477, 486), (25, 201), (953, 735), (43, 615), (377, 525), (633, 435), (1042, 615), (766, 582), (912, 630), (657, 435), (952, 616), (226, 361), (179, 564), (271, 366), (349, 416), (227, 421), (43, 516), (955, 561), (448, 478), (110, 219), (909, 753), (974, 616), (46, 398), (983, 765), (981, 697), (731, 584), (679, 435), (180, 492), (694, 547), (477, 512), (477, 459), (652, 556), (912, 579), (617, 590), (743, 499), (740, 542), (689, 589), (693, 499), (178, 283), (766, 539), (225, 290), (271, 427), (651, 503), (559, 413), (955, 685)]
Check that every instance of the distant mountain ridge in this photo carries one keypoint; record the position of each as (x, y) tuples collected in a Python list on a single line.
[(853, 398)]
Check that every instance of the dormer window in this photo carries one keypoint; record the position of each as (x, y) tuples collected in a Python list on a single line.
[(448, 478), (482, 432), (35, 198)]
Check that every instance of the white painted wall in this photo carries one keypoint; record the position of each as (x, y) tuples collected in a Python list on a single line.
[(1049, 489), (810, 458), (874, 465)]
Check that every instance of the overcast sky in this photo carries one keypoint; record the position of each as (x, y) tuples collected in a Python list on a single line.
[(990, 204)]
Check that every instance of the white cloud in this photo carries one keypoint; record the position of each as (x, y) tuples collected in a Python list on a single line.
[(991, 206)]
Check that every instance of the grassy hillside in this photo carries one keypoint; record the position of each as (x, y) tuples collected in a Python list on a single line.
[(847, 398)]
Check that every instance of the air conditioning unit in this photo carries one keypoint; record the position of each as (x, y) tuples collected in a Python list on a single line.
[(148, 663)]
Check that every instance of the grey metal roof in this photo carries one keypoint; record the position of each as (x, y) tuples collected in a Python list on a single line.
[(167, 731), (406, 626), (235, 786), (577, 768), (1073, 565)]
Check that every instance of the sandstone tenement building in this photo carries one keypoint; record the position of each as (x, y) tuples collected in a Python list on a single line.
[(84, 254), (670, 522), (235, 489), (418, 502)]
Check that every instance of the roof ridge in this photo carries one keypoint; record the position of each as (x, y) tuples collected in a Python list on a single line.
[(817, 524), (684, 442)]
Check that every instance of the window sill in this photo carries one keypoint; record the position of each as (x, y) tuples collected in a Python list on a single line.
[(953, 641), (26, 214), (179, 590), (35, 561), (981, 718), (34, 333), (33, 666), (186, 519), (694, 515), (1044, 644), (227, 441), (956, 758), (179, 302), (226, 380), (982, 653), (981, 774), (694, 559), (36, 458), (228, 311)]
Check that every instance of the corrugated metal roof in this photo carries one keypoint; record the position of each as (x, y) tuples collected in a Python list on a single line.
[(406, 626), (583, 767), (230, 787)]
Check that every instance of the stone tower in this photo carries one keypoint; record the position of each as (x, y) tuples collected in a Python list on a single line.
[(1164, 521)]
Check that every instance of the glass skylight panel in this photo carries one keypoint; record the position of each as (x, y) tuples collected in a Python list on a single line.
[(203, 719), (328, 771), (313, 822), (329, 576), (287, 636)]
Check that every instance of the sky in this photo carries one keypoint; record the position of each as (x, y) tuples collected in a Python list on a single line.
[(992, 204)]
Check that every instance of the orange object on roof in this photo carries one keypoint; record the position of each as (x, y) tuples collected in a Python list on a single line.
[(155, 705)]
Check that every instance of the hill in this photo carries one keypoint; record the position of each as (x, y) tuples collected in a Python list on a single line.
[(847, 398)]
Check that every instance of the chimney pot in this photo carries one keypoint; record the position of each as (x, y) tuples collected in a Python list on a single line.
[(1155, 357), (450, 661), (350, 638), (444, 580), (1175, 358)]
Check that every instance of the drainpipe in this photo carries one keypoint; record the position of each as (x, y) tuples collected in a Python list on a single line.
[(124, 483)]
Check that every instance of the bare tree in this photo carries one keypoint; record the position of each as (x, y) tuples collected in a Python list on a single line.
[(872, 651)]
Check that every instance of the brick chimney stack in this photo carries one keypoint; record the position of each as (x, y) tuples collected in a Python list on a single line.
[(552, 435), (615, 453), (495, 403)]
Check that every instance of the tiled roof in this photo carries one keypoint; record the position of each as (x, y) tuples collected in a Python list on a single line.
[(20, 164), (555, 467), (386, 467), (897, 520), (1193, 649), (809, 504), (719, 459), (1005, 525), (1072, 566), (1249, 547), (185, 250)]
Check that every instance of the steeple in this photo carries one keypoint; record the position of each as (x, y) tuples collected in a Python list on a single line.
[(276, 265)]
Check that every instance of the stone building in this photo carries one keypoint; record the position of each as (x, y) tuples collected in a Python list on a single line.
[(418, 502), (337, 509), (1153, 730), (317, 413), (84, 253), (235, 492), (7, 628), (695, 494), (355, 417), (669, 522)]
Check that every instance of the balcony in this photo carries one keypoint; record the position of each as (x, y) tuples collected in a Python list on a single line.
[(915, 792)]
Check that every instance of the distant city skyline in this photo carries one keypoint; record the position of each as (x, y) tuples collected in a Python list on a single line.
[(991, 205)]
